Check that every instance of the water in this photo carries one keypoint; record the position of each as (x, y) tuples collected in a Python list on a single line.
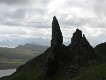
[(6, 72)]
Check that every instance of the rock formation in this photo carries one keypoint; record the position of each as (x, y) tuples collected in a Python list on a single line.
[(58, 60), (57, 38), (78, 54), (56, 43), (80, 50)]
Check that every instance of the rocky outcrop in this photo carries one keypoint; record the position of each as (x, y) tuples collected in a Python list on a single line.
[(57, 38), (58, 60), (51, 64), (78, 54), (81, 52)]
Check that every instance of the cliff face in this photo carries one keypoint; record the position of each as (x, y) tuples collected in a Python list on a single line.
[(59, 62), (77, 55), (80, 50), (51, 64), (57, 38)]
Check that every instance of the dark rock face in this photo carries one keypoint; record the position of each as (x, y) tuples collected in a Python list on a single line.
[(78, 54), (57, 38), (77, 36), (80, 49)]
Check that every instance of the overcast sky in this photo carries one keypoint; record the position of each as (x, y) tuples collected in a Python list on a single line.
[(33, 18)]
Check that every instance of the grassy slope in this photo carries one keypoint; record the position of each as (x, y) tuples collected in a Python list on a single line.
[(33, 71), (10, 65), (13, 57), (29, 73), (96, 72), (26, 75), (13, 53)]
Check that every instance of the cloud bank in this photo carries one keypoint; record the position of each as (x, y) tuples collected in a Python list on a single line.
[(33, 18)]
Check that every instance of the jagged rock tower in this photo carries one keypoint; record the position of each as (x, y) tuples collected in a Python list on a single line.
[(57, 38), (81, 52)]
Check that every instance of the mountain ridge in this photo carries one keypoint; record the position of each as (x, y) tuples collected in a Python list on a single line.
[(14, 57), (58, 62)]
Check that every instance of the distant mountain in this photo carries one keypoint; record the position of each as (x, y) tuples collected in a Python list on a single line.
[(13, 57), (21, 41), (33, 47), (38, 41)]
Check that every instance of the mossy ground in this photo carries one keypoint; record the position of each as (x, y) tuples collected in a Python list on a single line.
[(96, 72)]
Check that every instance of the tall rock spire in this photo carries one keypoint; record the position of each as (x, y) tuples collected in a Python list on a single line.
[(81, 49), (51, 64), (77, 36), (57, 37)]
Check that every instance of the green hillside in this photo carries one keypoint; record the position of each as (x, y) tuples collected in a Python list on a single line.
[(96, 72), (17, 54), (10, 65), (14, 57)]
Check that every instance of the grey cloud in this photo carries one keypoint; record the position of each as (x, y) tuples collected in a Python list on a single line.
[(26, 24), (97, 40), (23, 2), (40, 11), (18, 18), (20, 13), (38, 24), (10, 2), (100, 6), (11, 23), (10, 32), (73, 22), (16, 14)]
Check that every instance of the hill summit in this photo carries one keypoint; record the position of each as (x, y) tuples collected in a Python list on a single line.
[(58, 62)]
